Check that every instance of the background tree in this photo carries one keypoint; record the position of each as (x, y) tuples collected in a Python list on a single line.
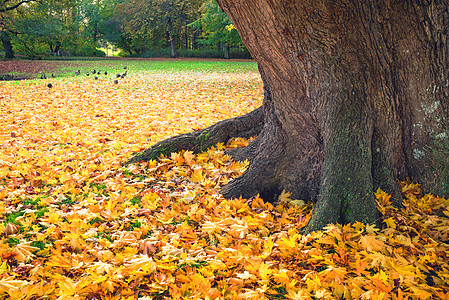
[(217, 29), (159, 22), (356, 96), (69, 27), (39, 31), (8, 12), (142, 28)]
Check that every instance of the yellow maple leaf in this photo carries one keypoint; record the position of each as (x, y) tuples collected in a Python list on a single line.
[(197, 175), (267, 248), (9, 283), (23, 251), (189, 158), (67, 287), (284, 197), (211, 227), (59, 261), (390, 222), (3, 193), (177, 158), (421, 293), (298, 295), (372, 243), (126, 238), (265, 272)]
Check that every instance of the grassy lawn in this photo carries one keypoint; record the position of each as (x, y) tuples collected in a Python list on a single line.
[(34, 69)]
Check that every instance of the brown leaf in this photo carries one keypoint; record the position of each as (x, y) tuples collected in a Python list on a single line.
[(10, 229), (29, 190)]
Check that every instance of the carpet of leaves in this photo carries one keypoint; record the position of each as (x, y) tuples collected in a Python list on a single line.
[(75, 224)]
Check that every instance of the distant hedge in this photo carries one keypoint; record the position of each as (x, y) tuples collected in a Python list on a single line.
[(197, 53)]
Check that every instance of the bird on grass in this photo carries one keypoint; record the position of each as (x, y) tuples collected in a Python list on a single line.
[(78, 72), (96, 77), (116, 81), (49, 85), (87, 74), (53, 75), (94, 72), (118, 75), (105, 73), (43, 76), (126, 67)]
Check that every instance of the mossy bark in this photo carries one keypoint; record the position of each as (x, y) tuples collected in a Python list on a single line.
[(359, 91), (246, 126), (346, 193)]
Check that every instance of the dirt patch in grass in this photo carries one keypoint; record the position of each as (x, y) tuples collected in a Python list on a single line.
[(19, 69), (28, 69)]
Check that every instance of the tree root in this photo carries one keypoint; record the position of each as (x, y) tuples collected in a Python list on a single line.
[(245, 126)]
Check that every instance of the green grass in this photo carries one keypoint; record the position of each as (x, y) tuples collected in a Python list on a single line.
[(117, 66), (67, 68)]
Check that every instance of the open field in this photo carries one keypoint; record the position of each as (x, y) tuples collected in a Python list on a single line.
[(67, 68), (76, 224)]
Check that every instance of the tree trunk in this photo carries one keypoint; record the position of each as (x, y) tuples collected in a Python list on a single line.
[(359, 97), (226, 51), (172, 37), (7, 46), (174, 52), (356, 97)]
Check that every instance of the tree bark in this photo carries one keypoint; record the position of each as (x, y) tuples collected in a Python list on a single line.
[(227, 51), (172, 37), (360, 98), (356, 97), (7, 46)]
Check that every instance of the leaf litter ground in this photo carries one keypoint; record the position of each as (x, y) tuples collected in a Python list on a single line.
[(75, 224)]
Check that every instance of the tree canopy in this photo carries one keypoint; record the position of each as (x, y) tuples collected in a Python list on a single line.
[(143, 28)]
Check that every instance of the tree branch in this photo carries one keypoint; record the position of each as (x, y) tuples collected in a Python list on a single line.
[(8, 8)]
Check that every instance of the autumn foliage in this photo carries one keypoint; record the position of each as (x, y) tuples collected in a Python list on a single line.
[(76, 224)]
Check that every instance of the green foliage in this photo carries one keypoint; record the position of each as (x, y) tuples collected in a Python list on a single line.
[(157, 24), (134, 224), (39, 244), (194, 264), (136, 201), (11, 218), (32, 202), (147, 28), (217, 29), (41, 213), (196, 53), (12, 242), (95, 220)]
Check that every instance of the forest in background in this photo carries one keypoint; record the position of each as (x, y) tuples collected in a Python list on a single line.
[(147, 28)]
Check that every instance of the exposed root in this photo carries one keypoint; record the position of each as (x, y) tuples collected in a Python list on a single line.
[(244, 126)]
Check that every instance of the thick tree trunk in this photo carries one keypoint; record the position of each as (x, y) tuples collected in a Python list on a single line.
[(174, 52), (227, 52), (7, 46), (172, 37), (359, 95), (356, 96)]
